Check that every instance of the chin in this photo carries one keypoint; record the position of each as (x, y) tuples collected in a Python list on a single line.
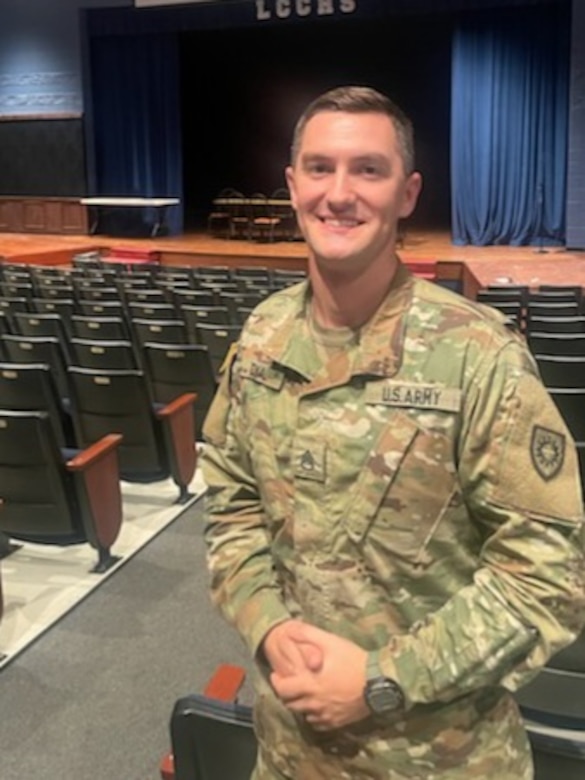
[(336, 250), (338, 263), (332, 255)]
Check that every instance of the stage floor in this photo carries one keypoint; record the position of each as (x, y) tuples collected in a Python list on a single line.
[(474, 265)]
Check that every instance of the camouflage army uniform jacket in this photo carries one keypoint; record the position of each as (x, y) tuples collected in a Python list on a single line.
[(417, 494)]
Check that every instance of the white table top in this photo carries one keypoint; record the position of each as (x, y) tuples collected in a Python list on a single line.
[(251, 201), (138, 202)]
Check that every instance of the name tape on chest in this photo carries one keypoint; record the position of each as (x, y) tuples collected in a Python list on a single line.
[(415, 394), (264, 374)]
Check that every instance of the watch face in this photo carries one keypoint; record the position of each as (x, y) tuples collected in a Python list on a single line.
[(383, 695)]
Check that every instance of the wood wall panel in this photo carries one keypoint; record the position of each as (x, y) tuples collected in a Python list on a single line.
[(42, 215), (12, 218), (34, 217), (74, 217), (53, 212)]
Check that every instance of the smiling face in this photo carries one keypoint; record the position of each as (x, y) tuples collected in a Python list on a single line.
[(349, 188)]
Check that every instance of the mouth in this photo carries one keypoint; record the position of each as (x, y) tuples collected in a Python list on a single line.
[(340, 224)]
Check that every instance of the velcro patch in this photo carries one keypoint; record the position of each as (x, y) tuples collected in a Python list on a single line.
[(264, 374), (547, 451), (309, 462), (414, 394)]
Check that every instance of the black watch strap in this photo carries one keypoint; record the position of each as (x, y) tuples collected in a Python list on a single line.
[(382, 694)]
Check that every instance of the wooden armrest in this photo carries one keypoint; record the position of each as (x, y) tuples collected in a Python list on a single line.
[(187, 399), (225, 682), (96, 472), (177, 421), (94, 452), (167, 767)]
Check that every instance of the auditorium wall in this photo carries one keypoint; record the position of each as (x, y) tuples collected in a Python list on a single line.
[(41, 97)]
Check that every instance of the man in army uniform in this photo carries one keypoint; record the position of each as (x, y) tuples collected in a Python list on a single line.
[(394, 509)]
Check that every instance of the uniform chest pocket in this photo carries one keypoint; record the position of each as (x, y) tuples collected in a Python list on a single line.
[(401, 494)]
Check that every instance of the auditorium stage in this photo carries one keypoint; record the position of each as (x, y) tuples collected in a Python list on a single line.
[(472, 265)]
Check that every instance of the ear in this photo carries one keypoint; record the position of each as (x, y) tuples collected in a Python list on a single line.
[(412, 189), (290, 181)]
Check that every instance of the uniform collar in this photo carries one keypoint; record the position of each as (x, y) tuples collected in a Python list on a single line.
[(381, 341)]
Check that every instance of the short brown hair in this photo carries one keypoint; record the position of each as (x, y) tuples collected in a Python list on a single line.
[(358, 100)]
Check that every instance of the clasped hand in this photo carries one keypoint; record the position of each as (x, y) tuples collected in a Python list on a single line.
[(317, 674)]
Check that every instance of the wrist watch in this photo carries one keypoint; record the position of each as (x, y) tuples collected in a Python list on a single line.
[(382, 694)]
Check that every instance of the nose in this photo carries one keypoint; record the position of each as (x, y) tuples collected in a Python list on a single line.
[(341, 193)]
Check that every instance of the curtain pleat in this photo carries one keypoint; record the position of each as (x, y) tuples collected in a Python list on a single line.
[(509, 127), (136, 114)]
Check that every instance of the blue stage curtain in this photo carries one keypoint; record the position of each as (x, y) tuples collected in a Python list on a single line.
[(136, 118), (509, 126)]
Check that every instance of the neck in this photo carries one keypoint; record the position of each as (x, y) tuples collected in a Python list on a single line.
[(346, 300)]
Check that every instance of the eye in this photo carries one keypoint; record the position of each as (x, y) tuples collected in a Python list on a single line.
[(370, 170), (317, 168), (371, 167)]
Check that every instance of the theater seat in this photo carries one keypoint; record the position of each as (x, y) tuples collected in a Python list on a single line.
[(211, 733), (42, 325), (54, 496), (157, 440), (174, 369), (559, 754), (553, 705), (40, 349), (30, 387), (87, 353)]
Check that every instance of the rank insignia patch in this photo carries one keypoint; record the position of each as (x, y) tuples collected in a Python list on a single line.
[(547, 450), (310, 462)]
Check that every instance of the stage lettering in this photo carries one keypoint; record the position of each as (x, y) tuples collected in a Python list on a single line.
[(284, 9)]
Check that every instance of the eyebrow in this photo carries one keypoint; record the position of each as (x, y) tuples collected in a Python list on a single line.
[(381, 164), (378, 159), (314, 157), (373, 157)]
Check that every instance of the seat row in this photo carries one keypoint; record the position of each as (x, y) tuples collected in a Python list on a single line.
[(138, 304), (551, 308), (78, 415), (137, 297), (141, 322), (169, 368), (111, 275), (523, 293), (62, 459), (131, 289), (114, 334), (170, 285)]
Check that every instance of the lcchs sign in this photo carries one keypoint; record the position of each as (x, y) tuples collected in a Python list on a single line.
[(284, 9), (274, 9)]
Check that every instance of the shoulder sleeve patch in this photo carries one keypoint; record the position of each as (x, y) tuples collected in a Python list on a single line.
[(547, 450), (536, 467)]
